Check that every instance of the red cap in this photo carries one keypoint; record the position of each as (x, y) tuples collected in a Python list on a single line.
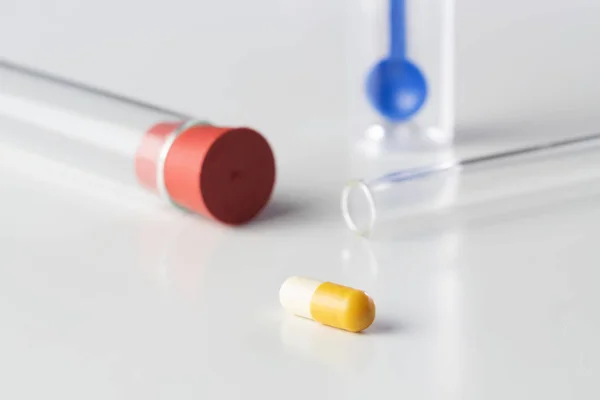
[(226, 174)]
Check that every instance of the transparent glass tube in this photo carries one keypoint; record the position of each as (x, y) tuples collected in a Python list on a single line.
[(401, 65), (83, 128), (502, 182), (224, 173)]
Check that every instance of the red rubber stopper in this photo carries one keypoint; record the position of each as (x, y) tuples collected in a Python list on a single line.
[(227, 174)]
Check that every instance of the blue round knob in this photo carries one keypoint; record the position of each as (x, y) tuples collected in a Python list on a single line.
[(396, 88)]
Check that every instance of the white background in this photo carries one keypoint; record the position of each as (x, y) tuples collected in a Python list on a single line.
[(103, 298)]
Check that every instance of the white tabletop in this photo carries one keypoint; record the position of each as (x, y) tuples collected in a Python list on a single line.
[(107, 294)]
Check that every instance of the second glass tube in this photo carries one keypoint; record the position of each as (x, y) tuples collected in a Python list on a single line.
[(502, 182)]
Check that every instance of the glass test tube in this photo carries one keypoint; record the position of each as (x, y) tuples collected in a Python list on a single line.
[(422, 196), (226, 174), (402, 63)]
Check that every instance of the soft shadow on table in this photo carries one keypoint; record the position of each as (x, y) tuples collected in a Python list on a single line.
[(280, 208), (283, 209), (386, 326)]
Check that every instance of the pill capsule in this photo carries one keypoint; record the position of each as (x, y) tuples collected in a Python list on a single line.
[(328, 303)]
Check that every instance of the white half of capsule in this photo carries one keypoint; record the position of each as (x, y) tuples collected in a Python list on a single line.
[(296, 293)]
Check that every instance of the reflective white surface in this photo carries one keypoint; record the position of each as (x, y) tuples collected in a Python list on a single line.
[(105, 294)]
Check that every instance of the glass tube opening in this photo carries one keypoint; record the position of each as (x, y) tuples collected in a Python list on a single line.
[(358, 208)]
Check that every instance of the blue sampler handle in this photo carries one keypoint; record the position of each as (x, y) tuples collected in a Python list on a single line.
[(397, 30), (395, 86)]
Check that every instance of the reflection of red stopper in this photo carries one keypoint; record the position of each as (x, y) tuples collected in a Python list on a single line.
[(224, 173)]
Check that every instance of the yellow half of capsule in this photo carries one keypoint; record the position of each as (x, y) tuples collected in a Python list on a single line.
[(342, 307)]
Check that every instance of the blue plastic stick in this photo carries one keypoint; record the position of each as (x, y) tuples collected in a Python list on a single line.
[(397, 30), (396, 87)]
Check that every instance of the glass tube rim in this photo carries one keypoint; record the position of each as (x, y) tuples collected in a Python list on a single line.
[(352, 187)]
